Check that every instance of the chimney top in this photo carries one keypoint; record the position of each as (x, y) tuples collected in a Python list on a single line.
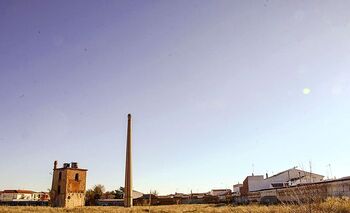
[(55, 164), (74, 165)]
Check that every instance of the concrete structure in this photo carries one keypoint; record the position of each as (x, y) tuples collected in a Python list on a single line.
[(41, 196), (198, 195), (128, 198), (18, 195), (290, 177), (303, 193), (68, 186), (220, 192), (236, 189)]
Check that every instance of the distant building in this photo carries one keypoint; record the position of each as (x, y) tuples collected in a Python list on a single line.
[(41, 196), (236, 189), (68, 185), (290, 177), (137, 197), (110, 202), (136, 194), (17, 195), (222, 194), (198, 195)]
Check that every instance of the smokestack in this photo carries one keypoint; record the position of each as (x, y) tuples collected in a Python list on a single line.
[(55, 164), (74, 165), (128, 168)]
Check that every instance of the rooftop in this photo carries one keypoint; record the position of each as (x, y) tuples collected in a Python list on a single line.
[(18, 191)]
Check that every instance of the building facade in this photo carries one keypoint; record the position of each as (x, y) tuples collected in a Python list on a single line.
[(68, 186), (236, 189), (287, 178), (17, 195)]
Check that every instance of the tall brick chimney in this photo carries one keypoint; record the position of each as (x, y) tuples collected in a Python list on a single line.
[(128, 168)]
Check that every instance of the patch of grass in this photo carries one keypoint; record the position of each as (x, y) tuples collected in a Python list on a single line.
[(337, 205)]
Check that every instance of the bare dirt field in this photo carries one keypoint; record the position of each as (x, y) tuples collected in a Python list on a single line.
[(331, 205)]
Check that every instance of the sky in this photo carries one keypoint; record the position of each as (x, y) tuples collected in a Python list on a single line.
[(218, 90)]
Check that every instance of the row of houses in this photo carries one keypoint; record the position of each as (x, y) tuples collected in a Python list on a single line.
[(23, 195), (292, 185), (213, 196), (287, 178), (281, 187)]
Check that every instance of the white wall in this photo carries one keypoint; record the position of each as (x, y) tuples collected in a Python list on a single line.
[(15, 196), (258, 182)]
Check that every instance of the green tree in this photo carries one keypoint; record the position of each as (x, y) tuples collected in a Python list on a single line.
[(119, 193), (92, 195)]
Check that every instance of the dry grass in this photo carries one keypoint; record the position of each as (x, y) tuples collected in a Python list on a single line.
[(337, 205)]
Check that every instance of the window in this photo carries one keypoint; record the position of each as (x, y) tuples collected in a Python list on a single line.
[(60, 176), (59, 189), (76, 177)]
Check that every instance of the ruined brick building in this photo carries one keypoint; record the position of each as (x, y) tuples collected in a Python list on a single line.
[(68, 185)]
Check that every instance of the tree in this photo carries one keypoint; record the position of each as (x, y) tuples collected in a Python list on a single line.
[(108, 195), (92, 195), (89, 197), (99, 190), (119, 193)]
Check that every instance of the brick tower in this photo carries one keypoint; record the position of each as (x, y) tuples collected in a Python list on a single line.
[(128, 198), (68, 186)]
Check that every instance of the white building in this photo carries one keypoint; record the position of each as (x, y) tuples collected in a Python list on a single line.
[(18, 195), (290, 177), (136, 194)]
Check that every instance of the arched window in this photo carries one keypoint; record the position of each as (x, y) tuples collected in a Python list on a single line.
[(59, 189), (76, 177)]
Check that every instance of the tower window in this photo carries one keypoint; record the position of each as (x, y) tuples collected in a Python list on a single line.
[(59, 189), (60, 176), (76, 177)]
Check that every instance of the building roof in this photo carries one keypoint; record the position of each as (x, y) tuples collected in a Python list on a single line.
[(200, 193), (18, 191), (70, 168), (294, 168), (342, 178), (308, 184), (217, 190), (165, 196)]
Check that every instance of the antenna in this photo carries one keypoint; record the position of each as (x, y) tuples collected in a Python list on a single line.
[(330, 170), (310, 170)]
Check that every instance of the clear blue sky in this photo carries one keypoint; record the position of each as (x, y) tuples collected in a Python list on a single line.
[(213, 86)]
